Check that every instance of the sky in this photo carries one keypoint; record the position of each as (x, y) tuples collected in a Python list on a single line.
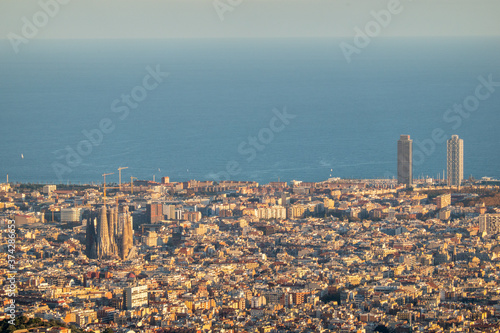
[(93, 19)]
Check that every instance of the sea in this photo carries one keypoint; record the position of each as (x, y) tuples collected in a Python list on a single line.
[(245, 109)]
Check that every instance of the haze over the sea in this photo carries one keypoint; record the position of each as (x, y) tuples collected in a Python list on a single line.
[(220, 92)]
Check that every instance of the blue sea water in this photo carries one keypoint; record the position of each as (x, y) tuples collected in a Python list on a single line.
[(348, 116)]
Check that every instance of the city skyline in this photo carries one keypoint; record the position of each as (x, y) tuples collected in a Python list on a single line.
[(253, 166)]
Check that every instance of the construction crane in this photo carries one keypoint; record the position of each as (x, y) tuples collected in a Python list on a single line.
[(104, 175), (132, 184), (120, 176)]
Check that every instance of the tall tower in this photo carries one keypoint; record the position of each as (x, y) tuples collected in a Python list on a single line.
[(91, 236), (405, 151), (127, 233), (112, 228), (109, 233), (103, 242), (455, 160)]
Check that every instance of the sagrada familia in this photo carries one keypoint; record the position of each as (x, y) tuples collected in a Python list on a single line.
[(109, 233)]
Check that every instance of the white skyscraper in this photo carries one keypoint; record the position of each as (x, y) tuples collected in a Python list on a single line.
[(455, 160)]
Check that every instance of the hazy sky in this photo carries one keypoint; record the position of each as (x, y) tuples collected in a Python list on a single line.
[(249, 18)]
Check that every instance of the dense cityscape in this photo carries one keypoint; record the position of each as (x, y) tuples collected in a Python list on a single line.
[(233, 166), (382, 255)]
